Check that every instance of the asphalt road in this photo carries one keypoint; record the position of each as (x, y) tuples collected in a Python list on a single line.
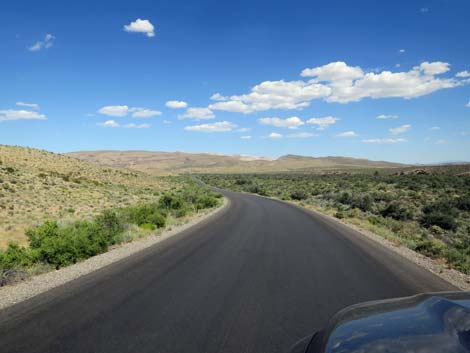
[(254, 278)]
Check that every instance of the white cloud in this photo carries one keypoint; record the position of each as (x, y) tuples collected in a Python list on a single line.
[(468, 104), (463, 74), (434, 68), (301, 135), (108, 123), (11, 114), (114, 124), (274, 95), (167, 122), (120, 111), (292, 123), (322, 123), (27, 105), (401, 50), (441, 142), (424, 10), (136, 126), (400, 129), (245, 137), (335, 71), (141, 26), (347, 134), (114, 110), (339, 82), (144, 113), (435, 128), (176, 104), (244, 129), (221, 126), (385, 140), (218, 97), (274, 135), (199, 113), (384, 116), (46, 43)]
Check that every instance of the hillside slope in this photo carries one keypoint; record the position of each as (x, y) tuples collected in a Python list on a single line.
[(159, 163), (36, 184)]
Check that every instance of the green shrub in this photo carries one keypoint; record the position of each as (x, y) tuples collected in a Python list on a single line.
[(37, 235), (16, 256), (110, 226), (146, 213), (396, 211), (148, 226), (443, 220), (299, 195)]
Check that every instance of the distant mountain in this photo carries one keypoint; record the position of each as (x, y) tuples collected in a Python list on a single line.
[(159, 163)]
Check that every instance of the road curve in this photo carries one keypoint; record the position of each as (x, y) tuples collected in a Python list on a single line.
[(253, 278)]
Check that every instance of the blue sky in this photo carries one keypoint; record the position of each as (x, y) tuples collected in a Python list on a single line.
[(380, 80)]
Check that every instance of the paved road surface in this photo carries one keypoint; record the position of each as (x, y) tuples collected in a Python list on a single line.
[(254, 278)]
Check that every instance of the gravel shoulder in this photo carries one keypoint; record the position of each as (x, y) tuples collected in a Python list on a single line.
[(12, 294)]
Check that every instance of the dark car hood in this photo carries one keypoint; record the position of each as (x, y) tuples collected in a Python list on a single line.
[(425, 323)]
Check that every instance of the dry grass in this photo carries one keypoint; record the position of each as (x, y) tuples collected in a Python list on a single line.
[(36, 184)]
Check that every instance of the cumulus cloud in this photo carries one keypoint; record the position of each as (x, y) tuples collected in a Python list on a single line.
[(218, 97), (400, 129), (385, 140), (434, 68), (322, 123), (114, 110), (301, 135), (335, 71), (221, 126), (198, 113), (176, 104), (144, 113), (46, 43), (435, 128), (27, 105), (136, 126), (141, 26), (274, 135), (292, 123), (441, 142), (468, 104), (385, 116), (347, 134), (12, 114), (244, 129), (245, 137), (401, 50), (114, 124), (274, 95), (463, 74), (119, 111), (339, 82), (108, 123)]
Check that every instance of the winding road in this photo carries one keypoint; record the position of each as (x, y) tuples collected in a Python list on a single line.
[(254, 278)]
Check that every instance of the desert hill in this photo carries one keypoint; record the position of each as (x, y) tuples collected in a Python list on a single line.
[(36, 184), (160, 163)]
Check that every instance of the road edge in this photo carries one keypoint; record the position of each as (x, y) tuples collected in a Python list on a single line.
[(454, 277), (33, 286)]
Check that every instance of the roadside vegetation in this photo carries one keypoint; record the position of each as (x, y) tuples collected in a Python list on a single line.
[(53, 245), (36, 184), (427, 211), (56, 210)]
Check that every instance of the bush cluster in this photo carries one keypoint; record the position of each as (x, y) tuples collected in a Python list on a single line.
[(59, 246)]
